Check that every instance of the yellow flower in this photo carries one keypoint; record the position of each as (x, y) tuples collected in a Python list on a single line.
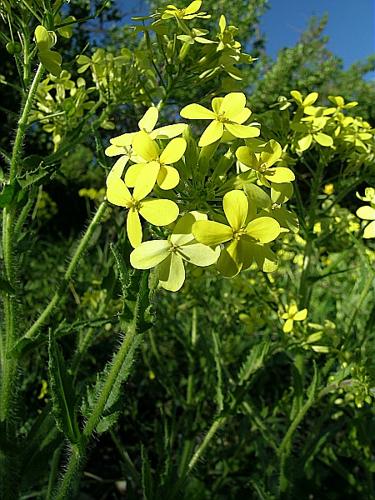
[(293, 314), (121, 145), (154, 163), (169, 255), (245, 238), (157, 212), (228, 113), (263, 161), (189, 12), (329, 189)]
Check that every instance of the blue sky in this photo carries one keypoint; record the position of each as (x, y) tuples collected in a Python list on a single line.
[(351, 24)]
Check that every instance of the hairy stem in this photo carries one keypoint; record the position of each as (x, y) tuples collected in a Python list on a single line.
[(82, 247)]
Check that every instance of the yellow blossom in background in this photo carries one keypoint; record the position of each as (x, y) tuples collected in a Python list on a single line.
[(292, 315), (228, 113), (329, 189), (367, 212)]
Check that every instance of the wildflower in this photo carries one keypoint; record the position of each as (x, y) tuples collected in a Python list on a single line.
[(157, 212), (189, 12), (263, 160), (293, 314), (243, 236), (150, 155), (329, 189), (169, 255), (121, 145), (367, 212), (228, 113)]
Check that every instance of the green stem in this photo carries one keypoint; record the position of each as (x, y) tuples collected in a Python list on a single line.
[(22, 125), (67, 486), (216, 424), (70, 479), (82, 247)]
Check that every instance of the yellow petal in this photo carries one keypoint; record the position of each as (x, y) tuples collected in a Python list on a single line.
[(297, 96), (242, 116), (288, 326), (279, 175), (174, 151), (168, 177), (150, 254), (145, 147), (247, 157), (323, 139), (211, 233), (213, 133), (233, 104), (228, 263), (124, 140), (366, 212), (272, 153), (182, 232), (236, 207), (133, 172), (117, 193), (159, 212), (197, 112), (149, 120), (310, 99), (216, 103), (369, 231), (199, 254), (172, 273), (146, 180), (301, 315), (169, 131), (193, 7), (263, 229), (134, 228), (305, 142), (117, 169), (292, 309), (242, 131), (113, 150)]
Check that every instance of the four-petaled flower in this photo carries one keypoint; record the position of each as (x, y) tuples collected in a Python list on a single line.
[(263, 161), (293, 314), (169, 255), (228, 113), (121, 145), (157, 212), (245, 237), (189, 12), (154, 164)]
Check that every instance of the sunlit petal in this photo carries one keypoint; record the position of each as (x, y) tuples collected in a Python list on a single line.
[(145, 147), (236, 207), (263, 229), (211, 233), (197, 112), (174, 151), (150, 254), (213, 133), (134, 228), (159, 212), (168, 177), (149, 120)]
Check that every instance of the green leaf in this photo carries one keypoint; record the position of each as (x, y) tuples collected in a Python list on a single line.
[(254, 361), (8, 194), (63, 395), (6, 287)]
